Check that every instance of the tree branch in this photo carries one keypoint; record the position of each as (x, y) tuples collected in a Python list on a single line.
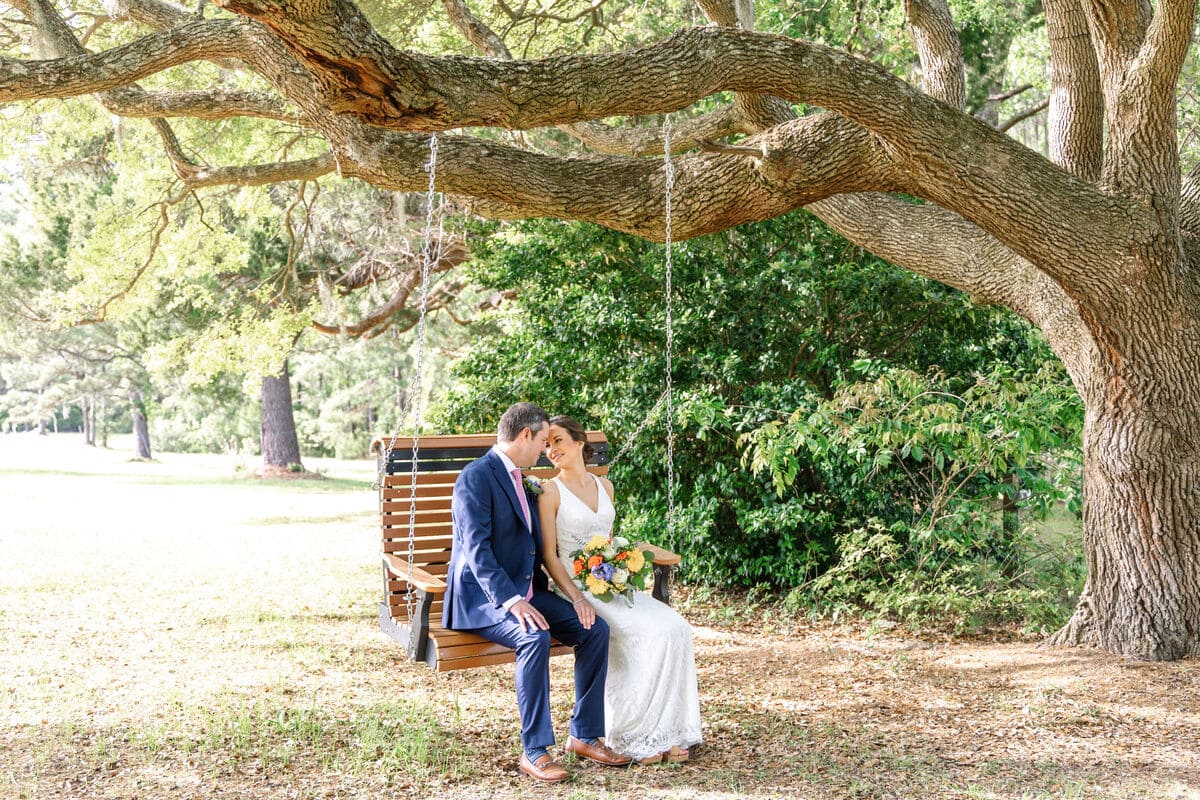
[(157, 14), (805, 159), (206, 104), (729, 13), (939, 49), (197, 176), (1076, 117), (612, 140), (481, 37), (121, 66), (1016, 119), (959, 162), (450, 256)]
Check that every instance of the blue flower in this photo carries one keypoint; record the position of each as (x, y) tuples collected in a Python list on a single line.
[(603, 571)]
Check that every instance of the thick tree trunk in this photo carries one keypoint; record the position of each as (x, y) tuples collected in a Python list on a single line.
[(141, 431), (280, 446), (1142, 493)]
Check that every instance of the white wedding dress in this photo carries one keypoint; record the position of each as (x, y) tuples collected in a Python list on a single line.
[(651, 702)]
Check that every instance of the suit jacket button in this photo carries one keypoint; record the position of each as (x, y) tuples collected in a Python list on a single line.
[(533, 552), (528, 577)]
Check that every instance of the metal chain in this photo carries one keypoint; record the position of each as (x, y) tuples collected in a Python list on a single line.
[(429, 255), (662, 398), (669, 167)]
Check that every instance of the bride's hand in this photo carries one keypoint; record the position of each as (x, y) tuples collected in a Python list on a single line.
[(585, 612)]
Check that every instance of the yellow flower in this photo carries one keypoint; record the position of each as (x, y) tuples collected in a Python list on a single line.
[(598, 542), (596, 586), (636, 561)]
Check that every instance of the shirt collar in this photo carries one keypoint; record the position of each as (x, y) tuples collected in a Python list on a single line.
[(509, 466)]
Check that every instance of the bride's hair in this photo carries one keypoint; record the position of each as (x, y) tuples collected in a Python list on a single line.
[(572, 426)]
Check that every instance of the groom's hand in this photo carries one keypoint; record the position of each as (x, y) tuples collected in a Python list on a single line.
[(585, 612), (528, 617)]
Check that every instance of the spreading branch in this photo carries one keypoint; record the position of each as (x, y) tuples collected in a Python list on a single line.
[(450, 255), (1076, 118), (206, 104), (121, 66)]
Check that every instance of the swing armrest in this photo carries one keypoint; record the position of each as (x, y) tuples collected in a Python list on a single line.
[(661, 556), (421, 579)]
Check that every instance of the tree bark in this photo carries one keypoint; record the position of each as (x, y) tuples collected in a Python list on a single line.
[(1076, 116), (1141, 483), (141, 430), (280, 445)]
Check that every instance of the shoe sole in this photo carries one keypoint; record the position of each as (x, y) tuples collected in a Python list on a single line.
[(541, 779), (577, 754)]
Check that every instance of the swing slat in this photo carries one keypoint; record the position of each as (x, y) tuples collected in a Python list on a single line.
[(424, 637)]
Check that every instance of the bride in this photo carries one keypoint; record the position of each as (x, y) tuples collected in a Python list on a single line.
[(651, 704)]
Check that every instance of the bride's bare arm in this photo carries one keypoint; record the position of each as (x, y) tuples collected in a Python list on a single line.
[(548, 515)]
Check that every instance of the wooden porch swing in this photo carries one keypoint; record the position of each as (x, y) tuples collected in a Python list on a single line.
[(411, 610)]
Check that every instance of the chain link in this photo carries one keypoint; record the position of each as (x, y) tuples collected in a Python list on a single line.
[(669, 168)]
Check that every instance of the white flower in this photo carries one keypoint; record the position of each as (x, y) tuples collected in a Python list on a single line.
[(608, 552), (620, 576), (620, 542)]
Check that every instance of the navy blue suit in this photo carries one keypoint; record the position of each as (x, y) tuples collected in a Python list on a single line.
[(495, 557)]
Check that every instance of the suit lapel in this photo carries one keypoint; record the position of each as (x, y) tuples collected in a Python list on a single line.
[(506, 484)]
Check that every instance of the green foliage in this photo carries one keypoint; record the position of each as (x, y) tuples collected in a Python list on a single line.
[(805, 402), (918, 477)]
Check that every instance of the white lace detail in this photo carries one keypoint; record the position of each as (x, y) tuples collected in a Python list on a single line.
[(651, 702)]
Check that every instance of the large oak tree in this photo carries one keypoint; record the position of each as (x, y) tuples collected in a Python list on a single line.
[(1096, 245)]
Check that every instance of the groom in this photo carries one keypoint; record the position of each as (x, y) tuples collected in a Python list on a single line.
[(495, 587)]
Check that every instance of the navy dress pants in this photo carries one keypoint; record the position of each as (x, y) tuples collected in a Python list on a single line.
[(532, 649)]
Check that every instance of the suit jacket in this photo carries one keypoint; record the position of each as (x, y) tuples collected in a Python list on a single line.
[(494, 555)]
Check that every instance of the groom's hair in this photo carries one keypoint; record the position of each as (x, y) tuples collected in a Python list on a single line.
[(517, 418)]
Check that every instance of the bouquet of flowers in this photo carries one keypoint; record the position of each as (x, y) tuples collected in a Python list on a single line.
[(610, 567)]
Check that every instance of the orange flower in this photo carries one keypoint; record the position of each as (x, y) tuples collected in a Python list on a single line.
[(578, 566), (595, 561), (621, 556)]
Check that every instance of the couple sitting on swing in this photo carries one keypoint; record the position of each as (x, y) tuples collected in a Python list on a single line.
[(635, 675)]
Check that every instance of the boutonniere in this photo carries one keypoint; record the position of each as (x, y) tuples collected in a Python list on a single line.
[(532, 484)]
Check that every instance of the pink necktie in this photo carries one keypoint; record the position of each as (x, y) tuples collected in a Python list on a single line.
[(516, 476)]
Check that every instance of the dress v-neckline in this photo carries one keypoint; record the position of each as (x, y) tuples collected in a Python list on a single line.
[(599, 489)]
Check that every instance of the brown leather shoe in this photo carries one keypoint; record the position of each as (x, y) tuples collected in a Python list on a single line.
[(545, 770), (599, 752)]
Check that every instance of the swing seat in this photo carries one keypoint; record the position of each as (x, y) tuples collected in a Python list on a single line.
[(440, 459)]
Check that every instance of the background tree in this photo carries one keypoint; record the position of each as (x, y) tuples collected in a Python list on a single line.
[(97, 368)]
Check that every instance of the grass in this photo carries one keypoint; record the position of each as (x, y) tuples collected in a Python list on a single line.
[(168, 630)]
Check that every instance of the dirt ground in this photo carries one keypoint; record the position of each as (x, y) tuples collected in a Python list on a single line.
[(168, 630)]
